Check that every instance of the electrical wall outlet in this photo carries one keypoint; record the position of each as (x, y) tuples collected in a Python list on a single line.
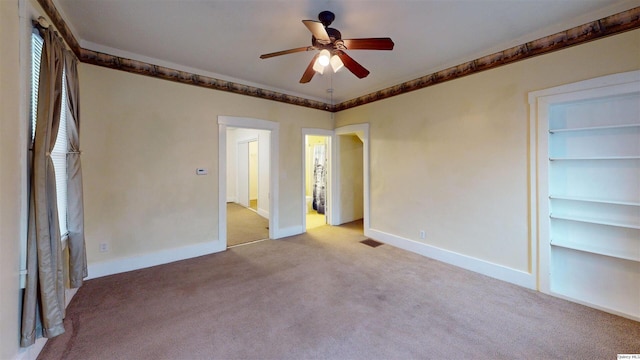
[(423, 235), (104, 247)]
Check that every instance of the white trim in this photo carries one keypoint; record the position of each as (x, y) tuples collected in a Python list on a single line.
[(595, 306), (26, 12), (362, 132), (291, 231), (329, 205), (31, 352), (483, 267), (274, 167), (602, 81), (222, 183), (166, 256), (263, 213)]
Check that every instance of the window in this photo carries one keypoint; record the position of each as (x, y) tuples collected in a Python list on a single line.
[(59, 153)]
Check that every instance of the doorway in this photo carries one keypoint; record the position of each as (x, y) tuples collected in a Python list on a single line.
[(247, 220), (351, 176), (232, 131), (317, 152)]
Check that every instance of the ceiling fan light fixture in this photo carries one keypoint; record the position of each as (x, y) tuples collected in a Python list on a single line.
[(318, 67), (323, 59), (336, 63)]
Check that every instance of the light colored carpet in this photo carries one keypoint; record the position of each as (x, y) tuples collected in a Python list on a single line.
[(324, 295), (244, 225)]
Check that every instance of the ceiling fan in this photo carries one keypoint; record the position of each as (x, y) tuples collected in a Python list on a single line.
[(332, 46)]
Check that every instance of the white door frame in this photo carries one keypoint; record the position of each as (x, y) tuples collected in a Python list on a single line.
[(274, 156), (329, 203), (362, 132)]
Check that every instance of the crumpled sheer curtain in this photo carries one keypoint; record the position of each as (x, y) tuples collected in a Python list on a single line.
[(75, 203), (43, 302)]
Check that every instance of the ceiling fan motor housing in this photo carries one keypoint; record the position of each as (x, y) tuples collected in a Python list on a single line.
[(326, 18), (333, 35)]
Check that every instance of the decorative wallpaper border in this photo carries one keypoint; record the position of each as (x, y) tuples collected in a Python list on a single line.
[(143, 68), (610, 25)]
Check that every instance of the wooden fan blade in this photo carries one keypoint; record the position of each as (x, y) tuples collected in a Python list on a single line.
[(285, 52), (317, 29), (369, 44), (353, 66), (308, 74)]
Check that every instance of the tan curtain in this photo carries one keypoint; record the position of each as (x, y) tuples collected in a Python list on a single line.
[(44, 293), (75, 204)]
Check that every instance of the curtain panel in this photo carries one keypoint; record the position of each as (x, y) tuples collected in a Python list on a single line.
[(75, 203), (43, 302)]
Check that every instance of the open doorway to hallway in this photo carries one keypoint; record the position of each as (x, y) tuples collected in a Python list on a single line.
[(225, 193), (247, 185)]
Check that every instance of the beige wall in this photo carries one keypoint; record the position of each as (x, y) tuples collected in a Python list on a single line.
[(10, 180), (142, 139), (452, 159)]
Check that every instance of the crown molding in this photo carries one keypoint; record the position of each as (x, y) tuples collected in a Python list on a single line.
[(607, 26)]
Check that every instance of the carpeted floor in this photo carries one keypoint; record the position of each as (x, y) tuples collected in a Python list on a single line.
[(325, 295), (244, 225)]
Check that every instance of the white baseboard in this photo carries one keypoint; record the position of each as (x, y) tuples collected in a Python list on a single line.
[(68, 295), (264, 213), (290, 231), (120, 265), (32, 352), (231, 199), (483, 267)]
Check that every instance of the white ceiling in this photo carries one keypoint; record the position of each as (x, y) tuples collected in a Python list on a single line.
[(224, 38)]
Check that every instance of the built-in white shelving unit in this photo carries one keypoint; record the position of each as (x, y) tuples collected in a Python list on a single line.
[(589, 155), (592, 200), (594, 128), (594, 221)]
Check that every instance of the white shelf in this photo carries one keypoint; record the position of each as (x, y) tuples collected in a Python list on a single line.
[(592, 128), (594, 250), (571, 158), (593, 200), (594, 221)]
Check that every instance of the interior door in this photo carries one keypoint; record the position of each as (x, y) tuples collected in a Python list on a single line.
[(243, 174), (254, 176)]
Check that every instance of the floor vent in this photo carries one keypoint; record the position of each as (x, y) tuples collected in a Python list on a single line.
[(371, 242)]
